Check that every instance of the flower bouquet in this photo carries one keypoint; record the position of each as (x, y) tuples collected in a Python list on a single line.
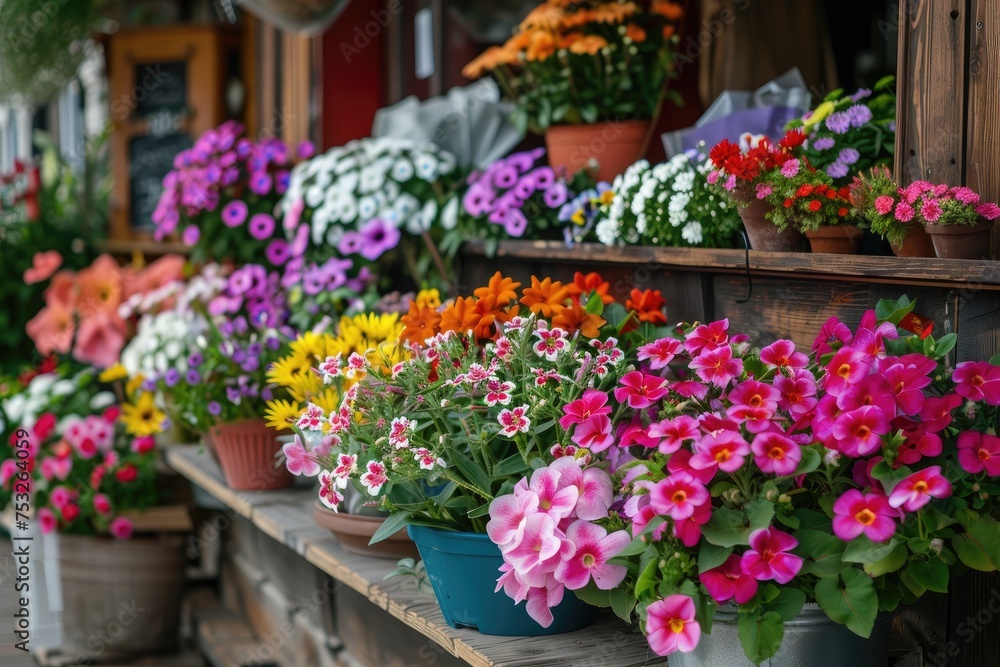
[(222, 196), (669, 204), (855, 478)]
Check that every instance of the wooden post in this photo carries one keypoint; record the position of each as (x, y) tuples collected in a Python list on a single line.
[(982, 165)]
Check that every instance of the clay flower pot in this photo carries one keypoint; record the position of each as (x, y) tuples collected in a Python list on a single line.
[(961, 241), (763, 234), (614, 144), (916, 244), (246, 451), (355, 532), (838, 240)]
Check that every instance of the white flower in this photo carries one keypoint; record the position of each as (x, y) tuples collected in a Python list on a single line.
[(449, 214), (692, 232), (63, 388), (372, 178), (102, 400), (684, 182), (407, 205), (345, 165), (607, 231), (426, 166), (423, 220), (367, 208)]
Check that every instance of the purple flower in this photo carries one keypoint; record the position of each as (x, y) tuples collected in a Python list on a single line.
[(861, 94), (849, 156), (240, 282), (859, 115), (234, 213), (314, 281), (281, 181), (149, 384), (191, 235), (195, 360), (335, 271), (350, 243), (240, 325), (824, 143), (300, 242), (544, 177), (524, 188), (251, 364), (260, 183), (505, 177), (261, 226), (233, 394), (521, 162), (516, 223), (837, 170), (214, 408), (378, 236), (556, 195), (499, 216), (306, 150), (277, 252), (272, 343), (266, 394), (839, 122), (193, 376), (171, 377), (478, 199)]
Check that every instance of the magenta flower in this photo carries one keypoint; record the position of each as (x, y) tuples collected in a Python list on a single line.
[(884, 204), (515, 224), (978, 381), (988, 210), (121, 528), (674, 432), (329, 493), (907, 381), (965, 195), (688, 531), (671, 626), (298, 460), (350, 243), (506, 514), (728, 581), (978, 452), (191, 235), (594, 547), (904, 212), (782, 354), (919, 443), (377, 237), (859, 432), (917, 490), (636, 433), (680, 461), (514, 421), (555, 498), (798, 393), (640, 390), (871, 390), (707, 336), (931, 210), (534, 543), (870, 514), (717, 366), (594, 434), (833, 332), (725, 450), (790, 169), (764, 190), (776, 453), (261, 226), (277, 252), (936, 411), (660, 353), (593, 402), (754, 403), (678, 495), (768, 556), (234, 213), (374, 477), (46, 520), (847, 367)]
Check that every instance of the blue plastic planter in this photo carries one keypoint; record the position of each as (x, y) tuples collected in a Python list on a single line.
[(464, 568)]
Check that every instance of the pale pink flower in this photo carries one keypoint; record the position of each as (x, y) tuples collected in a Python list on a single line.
[(595, 491), (347, 465), (534, 543), (671, 625), (789, 170), (374, 477), (555, 497), (311, 419), (330, 368), (356, 364), (506, 514), (43, 265), (764, 190), (298, 460), (552, 342), (594, 547)]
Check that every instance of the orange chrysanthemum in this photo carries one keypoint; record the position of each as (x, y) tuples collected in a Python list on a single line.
[(575, 318), (671, 10), (648, 305), (543, 45), (588, 284), (546, 17), (635, 33), (588, 46), (501, 287), (547, 297), (420, 323), (614, 12), (460, 316)]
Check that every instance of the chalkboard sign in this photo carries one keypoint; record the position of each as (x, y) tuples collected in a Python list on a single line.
[(160, 87), (150, 158)]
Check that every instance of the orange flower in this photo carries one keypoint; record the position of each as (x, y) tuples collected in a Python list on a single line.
[(576, 318), (590, 283), (101, 286), (460, 316), (420, 323), (547, 297), (648, 305), (579, 18), (491, 312), (52, 328), (668, 31), (504, 289), (614, 12), (542, 45), (570, 38), (672, 11), (545, 17), (635, 33), (588, 46)]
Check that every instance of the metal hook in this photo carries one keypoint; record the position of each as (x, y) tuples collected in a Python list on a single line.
[(746, 245)]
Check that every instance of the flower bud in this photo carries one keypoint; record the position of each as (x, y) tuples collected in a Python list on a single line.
[(937, 544)]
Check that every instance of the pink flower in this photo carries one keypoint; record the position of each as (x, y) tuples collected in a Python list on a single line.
[(46, 520), (374, 478), (833, 332), (707, 336), (7, 470), (776, 454), (768, 556), (398, 429), (541, 600), (143, 444), (674, 432), (688, 531), (764, 190), (907, 376), (594, 434), (121, 528), (506, 514), (978, 381), (725, 450), (870, 514), (904, 212), (965, 195), (871, 390), (298, 460), (593, 402), (52, 468), (594, 489), (730, 183), (660, 353), (594, 547), (919, 441), (640, 390), (514, 421), (846, 368), (713, 177), (931, 210), (328, 493), (690, 389), (555, 498), (426, 459), (100, 339), (978, 452), (790, 169), (552, 342), (678, 495), (60, 497), (781, 353), (988, 210), (534, 543), (347, 465), (717, 366), (884, 204), (936, 412), (859, 432), (798, 393), (754, 403), (102, 504), (43, 265), (680, 461), (670, 625), (728, 581), (498, 392), (917, 490)]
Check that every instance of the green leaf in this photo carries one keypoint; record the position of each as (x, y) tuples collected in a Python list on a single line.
[(392, 523), (647, 580), (888, 563), (822, 550), (788, 604), (470, 470), (945, 344), (634, 548), (849, 599), (863, 550), (913, 587), (622, 602), (589, 113), (480, 511), (930, 574), (711, 555), (811, 460), (595, 305), (979, 548), (934, 519), (442, 498), (512, 465), (889, 476), (725, 528), (888, 310), (593, 595), (761, 637), (995, 360)]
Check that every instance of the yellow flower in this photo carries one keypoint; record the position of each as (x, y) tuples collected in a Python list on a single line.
[(328, 399), (283, 371), (607, 197), (429, 298), (281, 415), (820, 114), (113, 373), (143, 417), (577, 217), (304, 385), (133, 384)]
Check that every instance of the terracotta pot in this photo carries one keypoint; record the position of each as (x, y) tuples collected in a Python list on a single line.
[(961, 241), (246, 452), (614, 144), (763, 235), (916, 244), (355, 532), (839, 240)]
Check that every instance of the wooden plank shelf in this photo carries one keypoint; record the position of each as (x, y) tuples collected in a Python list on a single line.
[(286, 516), (978, 274)]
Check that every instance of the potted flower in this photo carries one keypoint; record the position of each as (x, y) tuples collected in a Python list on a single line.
[(881, 207), (668, 204), (784, 501), (73, 459), (591, 75), (746, 171), (436, 437)]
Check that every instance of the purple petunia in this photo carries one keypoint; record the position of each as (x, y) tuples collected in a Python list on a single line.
[(260, 183), (261, 226), (378, 236), (195, 360), (191, 235), (214, 408), (277, 252), (524, 188), (193, 376), (505, 177), (313, 282), (478, 200), (171, 377), (234, 213), (516, 223), (350, 243), (544, 177), (556, 195), (824, 143)]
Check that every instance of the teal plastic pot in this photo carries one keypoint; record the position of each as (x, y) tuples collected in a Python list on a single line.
[(463, 569)]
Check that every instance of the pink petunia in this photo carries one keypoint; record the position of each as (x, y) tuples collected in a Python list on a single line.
[(717, 366), (798, 393), (978, 381), (776, 454), (329, 494), (847, 367), (725, 450), (833, 332), (660, 353), (534, 543), (729, 582), (594, 434), (121, 528), (859, 432), (541, 600), (688, 530), (919, 441), (298, 460), (768, 558), (46, 520), (917, 490), (936, 411), (782, 354), (595, 491), (674, 432), (555, 498), (988, 210), (753, 404), (640, 390), (871, 390), (671, 625), (856, 513), (678, 495), (978, 452), (707, 336), (680, 461), (594, 547), (506, 514)]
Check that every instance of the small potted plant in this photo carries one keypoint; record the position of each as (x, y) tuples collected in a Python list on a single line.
[(590, 75), (958, 221), (880, 206)]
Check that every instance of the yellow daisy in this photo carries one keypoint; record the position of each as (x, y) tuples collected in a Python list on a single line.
[(281, 415), (428, 298), (142, 418), (113, 373), (303, 386), (328, 399), (133, 384), (283, 371)]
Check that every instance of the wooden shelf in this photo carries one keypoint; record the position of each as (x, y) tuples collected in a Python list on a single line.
[(287, 517), (979, 274)]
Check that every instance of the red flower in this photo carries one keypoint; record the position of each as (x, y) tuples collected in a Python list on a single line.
[(648, 305), (722, 152), (127, 473), (788, 203), (792, 139), (815, 205), (804, 190)]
